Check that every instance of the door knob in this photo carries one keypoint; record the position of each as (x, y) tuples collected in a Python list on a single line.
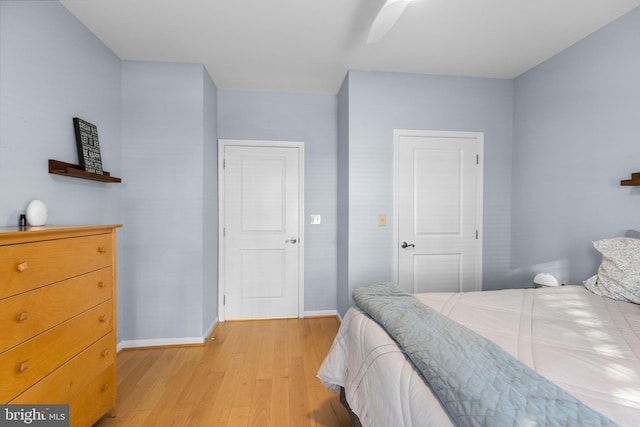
[(291, 241), (405, 245)]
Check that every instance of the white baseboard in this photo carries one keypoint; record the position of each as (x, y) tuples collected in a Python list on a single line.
[(320, 313), (209, 331), (167, 342), (160, 342)]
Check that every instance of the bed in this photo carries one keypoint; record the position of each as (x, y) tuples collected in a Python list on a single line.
[(583, 340)]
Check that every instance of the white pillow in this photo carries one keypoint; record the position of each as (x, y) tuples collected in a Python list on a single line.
[(619, 273)]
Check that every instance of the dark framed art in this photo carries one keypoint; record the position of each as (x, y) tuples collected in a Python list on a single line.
[(88, 145)]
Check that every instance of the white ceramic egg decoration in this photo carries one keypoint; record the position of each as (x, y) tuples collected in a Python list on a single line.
[(37, 213)]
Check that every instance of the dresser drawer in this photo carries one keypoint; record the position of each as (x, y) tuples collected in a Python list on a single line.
[(26, 315), (27, 266), (69, 379), (27, 363), (95, 400)]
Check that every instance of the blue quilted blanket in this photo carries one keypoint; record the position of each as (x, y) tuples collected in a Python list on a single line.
[(477, 382)]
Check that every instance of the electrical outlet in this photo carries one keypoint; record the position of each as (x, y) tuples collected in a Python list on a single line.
[(382, 220), (315, 219)]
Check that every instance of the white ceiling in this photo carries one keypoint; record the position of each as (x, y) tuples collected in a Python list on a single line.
[(306, 46)]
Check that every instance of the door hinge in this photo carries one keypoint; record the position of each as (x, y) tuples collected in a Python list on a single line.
[(224, 300), (476, 234), (224, 231), (477, 159), (224, 163)]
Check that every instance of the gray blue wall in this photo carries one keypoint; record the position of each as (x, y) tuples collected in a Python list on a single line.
[(164, 196), (312, 120), (343, 292), (209, 203), (378, 103), (575, 138), (51, 70)]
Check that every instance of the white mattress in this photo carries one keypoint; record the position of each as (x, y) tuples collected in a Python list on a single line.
[(586, 344)]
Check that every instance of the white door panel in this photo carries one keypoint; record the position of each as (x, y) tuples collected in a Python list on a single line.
[(439, 215), (437, 272), (261, 232), (436, 183)]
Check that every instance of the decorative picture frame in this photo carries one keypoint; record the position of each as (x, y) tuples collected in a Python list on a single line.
[(89, 158)]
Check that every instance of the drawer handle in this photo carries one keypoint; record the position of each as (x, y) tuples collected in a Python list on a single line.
[(102, 250), (102, 318), (104, 387), (23, 367), (101, 284), (22, 266), (22, 316), (105, 352)]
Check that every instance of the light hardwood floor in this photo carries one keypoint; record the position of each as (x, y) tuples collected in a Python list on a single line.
[(254, 373)]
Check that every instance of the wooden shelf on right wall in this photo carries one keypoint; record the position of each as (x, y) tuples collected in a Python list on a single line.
[(635, 180)]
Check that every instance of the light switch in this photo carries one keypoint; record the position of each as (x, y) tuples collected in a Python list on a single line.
[(382, 220), (315, 219)]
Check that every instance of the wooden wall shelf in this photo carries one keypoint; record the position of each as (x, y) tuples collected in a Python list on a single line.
[(635, 180), (57, 167)]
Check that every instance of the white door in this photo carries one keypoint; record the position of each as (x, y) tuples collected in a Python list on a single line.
[(439, 211), (261, 234)]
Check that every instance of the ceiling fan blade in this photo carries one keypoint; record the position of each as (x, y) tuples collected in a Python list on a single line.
[(387, 17)]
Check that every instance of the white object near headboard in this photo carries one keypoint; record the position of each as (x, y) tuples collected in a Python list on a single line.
[(545, 279)]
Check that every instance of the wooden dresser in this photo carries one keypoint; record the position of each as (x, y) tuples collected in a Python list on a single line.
[(57, 318)]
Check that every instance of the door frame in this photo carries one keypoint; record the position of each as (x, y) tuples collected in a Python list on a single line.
[(222, 144), (479, 136)]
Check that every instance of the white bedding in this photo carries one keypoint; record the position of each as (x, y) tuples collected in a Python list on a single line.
[(586, 344)]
